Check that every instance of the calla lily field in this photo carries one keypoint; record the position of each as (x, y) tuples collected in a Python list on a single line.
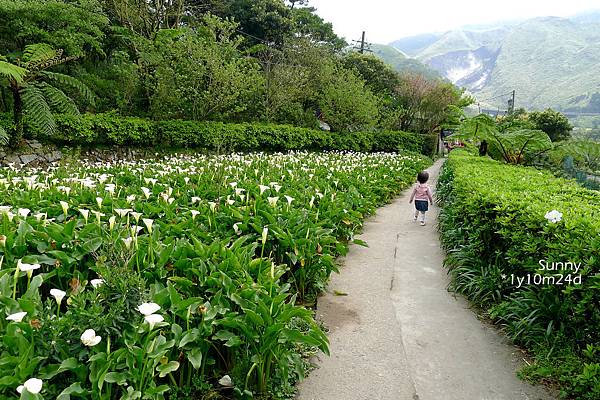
[(144, 279)]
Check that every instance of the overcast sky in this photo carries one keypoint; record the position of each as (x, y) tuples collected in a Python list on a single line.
[(387, 20)]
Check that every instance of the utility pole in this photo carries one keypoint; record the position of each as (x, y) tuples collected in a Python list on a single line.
[(362, 45), (511, 104)]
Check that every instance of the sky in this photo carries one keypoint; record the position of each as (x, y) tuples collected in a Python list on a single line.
[(387, 20)]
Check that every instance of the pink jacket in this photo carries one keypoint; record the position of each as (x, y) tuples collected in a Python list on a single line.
[(421, 191)]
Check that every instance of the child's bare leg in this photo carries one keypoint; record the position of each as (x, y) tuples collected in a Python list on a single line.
[(422, 217)]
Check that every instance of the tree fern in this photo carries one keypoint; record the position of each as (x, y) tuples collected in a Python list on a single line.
[(4, 138), (74, 83), (34, 53), (58, 100), (12, 71), (37, 109)]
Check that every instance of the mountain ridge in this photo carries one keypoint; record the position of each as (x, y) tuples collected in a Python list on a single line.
[(550, 61)]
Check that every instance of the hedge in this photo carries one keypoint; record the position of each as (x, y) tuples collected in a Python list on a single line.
[(496, 230), (109, 129)]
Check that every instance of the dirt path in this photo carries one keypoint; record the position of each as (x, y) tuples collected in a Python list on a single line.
[(399, 334)]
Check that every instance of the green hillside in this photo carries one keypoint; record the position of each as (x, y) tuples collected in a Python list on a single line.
[(401, 63), (549, 62)]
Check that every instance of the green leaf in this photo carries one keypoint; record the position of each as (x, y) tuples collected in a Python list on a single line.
[(195, 357), (12, 71), (169, 367), (75, 388), (120, 378)]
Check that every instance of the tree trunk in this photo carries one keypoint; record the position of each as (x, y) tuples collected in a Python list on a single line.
[(17, 136)]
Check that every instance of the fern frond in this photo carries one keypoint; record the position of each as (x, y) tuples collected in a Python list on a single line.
[(58, 100), (4, 138), (38, 52), (74, 83), (38, 110), (12, 71)]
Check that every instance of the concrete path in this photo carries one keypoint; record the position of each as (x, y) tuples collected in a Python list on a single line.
[(399, 334)]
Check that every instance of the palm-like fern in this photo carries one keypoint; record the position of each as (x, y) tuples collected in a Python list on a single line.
[(36, 90)]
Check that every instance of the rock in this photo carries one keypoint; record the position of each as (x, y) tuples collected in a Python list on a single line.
[(34, 144), (54, 156), (12, 159), (28, 158)]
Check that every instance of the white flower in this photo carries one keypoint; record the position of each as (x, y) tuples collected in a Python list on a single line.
[(58, 295), (153, 319), (97, 282), (195, 200), (148, 222), (23, 212), (17, 317), (65, 206), (146, 192), (263, 188), (127, 242), (272, 201), (236, 228), (212, 205), (186, 180), (137, 216), (5, 209), (111, 222), (194, 214), (131, 198), (39, 216), (110, 188), (99, 201), (553, 216), (89, 338), (122, 212), (2, 240), (289, 199), (277, 188), (265, 232), (148, 308), (26, 267), (98, 214), (233, 184), (33, 386), (85, 213)]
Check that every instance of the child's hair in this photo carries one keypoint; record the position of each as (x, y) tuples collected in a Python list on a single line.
[(423, 177)]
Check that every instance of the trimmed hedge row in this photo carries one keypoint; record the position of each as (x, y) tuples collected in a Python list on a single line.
[(495, 228), (108, 129)]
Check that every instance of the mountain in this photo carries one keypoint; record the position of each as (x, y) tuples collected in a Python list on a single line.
[(402, 63), (549, 62)]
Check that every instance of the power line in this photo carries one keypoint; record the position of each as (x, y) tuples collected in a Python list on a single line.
[(499, 96)]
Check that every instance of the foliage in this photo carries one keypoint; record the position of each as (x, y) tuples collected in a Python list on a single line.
[(77, 27), (513, 146), (108, 129), (496, 228), (35, 89), (554, 123), (199, 75), (224, 246)]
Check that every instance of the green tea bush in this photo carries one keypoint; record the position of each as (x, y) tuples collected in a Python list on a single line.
[(497, 228), (109, 129)]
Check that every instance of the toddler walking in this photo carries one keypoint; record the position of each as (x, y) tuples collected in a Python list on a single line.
[(421, 195)]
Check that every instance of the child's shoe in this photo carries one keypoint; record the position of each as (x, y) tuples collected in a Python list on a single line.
[(422, 223)]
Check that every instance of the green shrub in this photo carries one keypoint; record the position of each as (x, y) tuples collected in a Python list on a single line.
[(494, 228), (109, 129)]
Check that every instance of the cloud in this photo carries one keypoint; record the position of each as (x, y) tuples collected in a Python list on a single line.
[(387, 20)]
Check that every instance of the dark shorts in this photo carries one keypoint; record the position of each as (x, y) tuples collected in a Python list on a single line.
[(422, 205)]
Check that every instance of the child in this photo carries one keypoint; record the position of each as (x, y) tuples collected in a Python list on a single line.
[(421, 193)]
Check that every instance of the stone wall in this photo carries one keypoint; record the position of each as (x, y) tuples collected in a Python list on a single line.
[(36, 154)]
